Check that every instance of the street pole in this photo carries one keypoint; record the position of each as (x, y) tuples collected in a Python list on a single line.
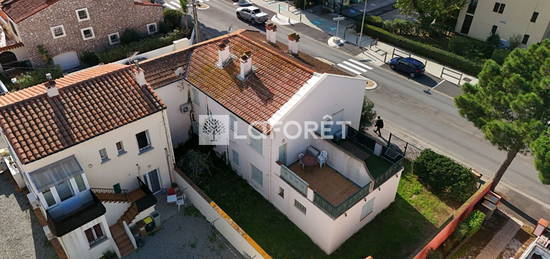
[(362, 24), (196, 20)]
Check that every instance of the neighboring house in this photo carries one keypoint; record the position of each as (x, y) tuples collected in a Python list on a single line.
[(248, 80), (527, 19), (540, 247), (92, 148), (67, 28)]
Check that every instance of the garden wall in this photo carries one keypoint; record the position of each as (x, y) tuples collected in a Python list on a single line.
[(462, 213), (219, 219), (176, 45)]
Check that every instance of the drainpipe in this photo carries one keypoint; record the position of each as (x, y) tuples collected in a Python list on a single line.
[(169, 146)]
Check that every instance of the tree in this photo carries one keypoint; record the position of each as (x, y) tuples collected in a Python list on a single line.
[(183, 4), (510, 104), (172, 18), (430, 11), (367, 114), (541, 151)]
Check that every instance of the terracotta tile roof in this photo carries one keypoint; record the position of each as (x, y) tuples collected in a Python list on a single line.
[(12, 46), (276, 77), (19, 10), (91, 102)]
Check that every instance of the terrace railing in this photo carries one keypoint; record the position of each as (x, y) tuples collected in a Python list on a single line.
[(394, 168), (294, 180), (336, 211)]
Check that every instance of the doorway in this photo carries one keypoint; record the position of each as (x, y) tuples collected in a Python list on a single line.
[(152, 179)]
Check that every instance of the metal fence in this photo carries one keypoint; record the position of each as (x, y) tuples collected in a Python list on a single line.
[(294, 180), (336, 211), (409, 151)]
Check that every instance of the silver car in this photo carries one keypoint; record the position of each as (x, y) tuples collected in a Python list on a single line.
[(252, 14)]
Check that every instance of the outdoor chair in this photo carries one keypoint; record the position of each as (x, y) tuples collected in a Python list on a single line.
[(180, 201), (322, 158)]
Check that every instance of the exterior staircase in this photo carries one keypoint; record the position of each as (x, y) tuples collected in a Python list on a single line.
[(122, 241), (129, 215)]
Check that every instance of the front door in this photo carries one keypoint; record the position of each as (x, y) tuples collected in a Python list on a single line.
[(152, 179)]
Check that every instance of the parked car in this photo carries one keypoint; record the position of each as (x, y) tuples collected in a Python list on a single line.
[(413, 67), (252, 14), (243, 3)]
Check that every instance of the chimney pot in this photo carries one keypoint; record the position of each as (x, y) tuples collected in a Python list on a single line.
[(293, 46), (223, 53), (51, 89), (139, 76)]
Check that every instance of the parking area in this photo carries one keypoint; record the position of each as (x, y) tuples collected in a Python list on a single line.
[(21, 234), (183, 234)]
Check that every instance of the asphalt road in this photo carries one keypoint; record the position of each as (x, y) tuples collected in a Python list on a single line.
[(430, 119)]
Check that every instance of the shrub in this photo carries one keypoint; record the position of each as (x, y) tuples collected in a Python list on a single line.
[(469, 47), (89, 58), (36, 76), (374, 20), (494, 40), (499, 55), (196, 165), (444, 57), (367, 114), (128, 36), (172, 18), (435, 254), (144, 45), (474, 222), (443, 175)]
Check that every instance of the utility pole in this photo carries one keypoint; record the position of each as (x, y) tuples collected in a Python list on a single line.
[(362, 24), (195, 20)]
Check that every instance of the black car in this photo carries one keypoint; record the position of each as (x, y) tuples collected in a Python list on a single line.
[(413, 67)]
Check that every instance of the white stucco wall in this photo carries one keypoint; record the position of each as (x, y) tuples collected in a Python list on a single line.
[(115, 210), (125, 168), (77, 247), (174, 95)]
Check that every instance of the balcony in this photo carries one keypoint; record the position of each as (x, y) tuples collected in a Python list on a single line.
[(74, 212)]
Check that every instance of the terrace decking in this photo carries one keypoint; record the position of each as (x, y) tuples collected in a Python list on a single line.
[(330, 184)]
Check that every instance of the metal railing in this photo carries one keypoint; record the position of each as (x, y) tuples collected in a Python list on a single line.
[(294, 180), (394, 168), (336, 211), (109, 190)]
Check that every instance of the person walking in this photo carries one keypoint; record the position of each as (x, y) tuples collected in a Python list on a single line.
[(379, 124)]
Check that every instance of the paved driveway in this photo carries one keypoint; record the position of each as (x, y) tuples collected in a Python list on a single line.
[(21, 236), (184, 234)]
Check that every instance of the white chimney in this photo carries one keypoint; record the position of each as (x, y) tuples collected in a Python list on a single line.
[(246, 65), (139, 76), (271, 33), (51, 89), (293, 40), (223, 53)]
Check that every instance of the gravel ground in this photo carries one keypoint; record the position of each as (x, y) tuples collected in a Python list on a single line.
[(186, 234), (21, 236)]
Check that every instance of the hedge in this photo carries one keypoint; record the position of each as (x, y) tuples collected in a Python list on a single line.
[(147, 44), (441, 56), (444, 176)]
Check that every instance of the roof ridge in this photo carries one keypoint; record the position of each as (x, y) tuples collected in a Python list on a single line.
[(292, 61)]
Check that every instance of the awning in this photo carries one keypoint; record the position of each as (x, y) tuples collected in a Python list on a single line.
[(55, 173)]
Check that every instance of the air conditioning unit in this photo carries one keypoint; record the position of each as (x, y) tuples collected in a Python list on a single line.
[(186, 107)]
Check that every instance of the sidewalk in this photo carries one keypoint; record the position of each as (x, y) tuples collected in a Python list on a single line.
[(500, 240)]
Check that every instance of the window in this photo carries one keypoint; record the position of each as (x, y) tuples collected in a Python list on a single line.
[(466, 24), (257, 175), (195, 96), (232, 122), (282, 192), (256, 141), (299, 206), (367, 208), (534, 17), (525, 39), (120, 148), (13, 28), (114, 38), (58, 31), (499, 7), (103, 155), (143, 141), (64, 190), (48, 196), (87, 33), (94, 234), (80, 182), (151, 28), (235, 157), (494, 29), (82, 14), (472, 7)]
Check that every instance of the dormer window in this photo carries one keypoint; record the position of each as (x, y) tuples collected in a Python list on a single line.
[(58, 31), (151, 28), (82, 14)]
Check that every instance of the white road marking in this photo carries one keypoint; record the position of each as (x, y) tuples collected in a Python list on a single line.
[(354, 66), (172, 5), (349, 69), (359, 63)]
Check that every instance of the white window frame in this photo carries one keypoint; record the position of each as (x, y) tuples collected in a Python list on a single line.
[(53, 190), (78, 16), (122, 150), (252, 167), (52, 29), (298, 205), (87, 28), (110, 41), (146, 148), (149, 32), (106, 158), (97, 240), (371, 202)]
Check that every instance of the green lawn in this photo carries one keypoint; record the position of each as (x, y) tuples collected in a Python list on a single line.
[(397, 232)]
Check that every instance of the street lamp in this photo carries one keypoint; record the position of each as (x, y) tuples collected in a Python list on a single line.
[(362, 24)]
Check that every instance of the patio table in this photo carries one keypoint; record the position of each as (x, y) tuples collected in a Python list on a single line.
[(309, 160)]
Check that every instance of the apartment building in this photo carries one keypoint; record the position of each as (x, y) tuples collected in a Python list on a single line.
[(527, 19), (64, 29), (92, 148), (329, 188)]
